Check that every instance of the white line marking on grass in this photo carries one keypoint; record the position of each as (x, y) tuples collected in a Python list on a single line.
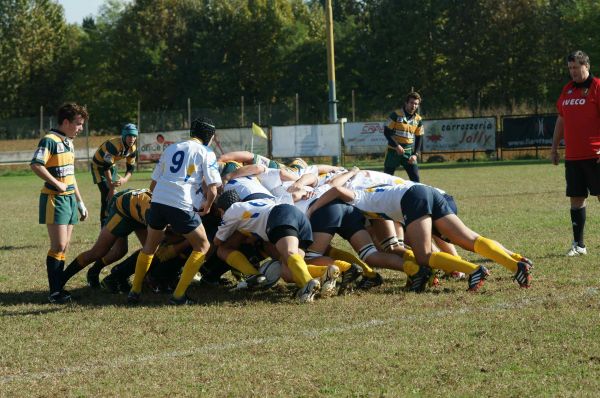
[(96, 366)]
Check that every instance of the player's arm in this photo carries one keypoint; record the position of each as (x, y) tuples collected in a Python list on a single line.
[(130, 163), (341, 179), (418, 147), (309, 180), (559, 133), (83, 212), (108, 162), (244, 171), (325, 168), (334, 193), (237, 156), (41, 171), (286, 175), (109, 182), (211, 194)]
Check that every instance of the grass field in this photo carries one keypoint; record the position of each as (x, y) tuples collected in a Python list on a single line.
[(502, 341)]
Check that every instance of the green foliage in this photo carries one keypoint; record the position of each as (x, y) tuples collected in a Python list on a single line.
[(35, 49), (471, 54)]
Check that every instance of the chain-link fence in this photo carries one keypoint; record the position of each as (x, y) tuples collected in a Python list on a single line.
[(286, 111)]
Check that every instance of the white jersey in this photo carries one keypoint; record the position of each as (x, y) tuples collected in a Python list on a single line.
[(270, 179), (180, 171), (246, 186), (325, 178), (314, 170), (304, 204), (368, 179), (250, 218), (382, 202)]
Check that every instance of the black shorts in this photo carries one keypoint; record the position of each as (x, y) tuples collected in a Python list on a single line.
[(340, 217), (583, 177), (422, 200), (286, 220), (182, 222)]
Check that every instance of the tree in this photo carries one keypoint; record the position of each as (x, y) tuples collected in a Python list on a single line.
[(35, 50)]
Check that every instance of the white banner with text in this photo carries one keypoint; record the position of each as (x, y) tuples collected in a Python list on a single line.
[(440, 135), (151, 145)]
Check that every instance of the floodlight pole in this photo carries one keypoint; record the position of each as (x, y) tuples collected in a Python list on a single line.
[(330, 63)]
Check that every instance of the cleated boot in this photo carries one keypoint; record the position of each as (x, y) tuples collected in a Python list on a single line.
[(477, 278), (328, 280), (367, 283), (348, 277), (307, 293)]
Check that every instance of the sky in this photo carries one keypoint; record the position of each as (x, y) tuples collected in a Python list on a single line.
[(76, 10)]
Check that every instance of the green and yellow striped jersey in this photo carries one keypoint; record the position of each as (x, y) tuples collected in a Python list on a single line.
[(56, 153)]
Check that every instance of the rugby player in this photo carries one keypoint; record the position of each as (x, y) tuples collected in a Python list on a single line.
[(423, 209), (104, 169), (60, 200), (184, 169)]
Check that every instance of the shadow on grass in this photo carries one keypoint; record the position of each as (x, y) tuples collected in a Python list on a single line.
[(10, 247), (88, 297)]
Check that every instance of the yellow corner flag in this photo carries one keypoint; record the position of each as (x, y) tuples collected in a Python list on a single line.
[(256, 130)]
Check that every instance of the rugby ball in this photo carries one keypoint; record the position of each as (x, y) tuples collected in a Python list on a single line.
[(272, 271)]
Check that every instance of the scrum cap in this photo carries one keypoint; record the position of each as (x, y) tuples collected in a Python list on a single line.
[(203, 128), (129, 129)]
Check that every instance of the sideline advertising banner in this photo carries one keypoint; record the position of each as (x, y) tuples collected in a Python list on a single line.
[(440, 135), (364, 138), (460, 135), (306, 140), (151, 145), (528, 131)]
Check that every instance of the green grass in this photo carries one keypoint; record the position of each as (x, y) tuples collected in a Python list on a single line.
[(503, 341)]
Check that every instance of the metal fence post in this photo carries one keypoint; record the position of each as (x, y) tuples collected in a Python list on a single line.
[(139, 122), (353, 107), (41, 132), (189, 110), (297, 109), (242, 111)]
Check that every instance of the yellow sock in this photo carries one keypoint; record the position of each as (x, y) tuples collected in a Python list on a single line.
[(191, 267), (342, 265), (56, 255), (298, 269), (339, 254), (449, 263), (490, 249), (237, 260), (409, 256), (516, 256), (141, 267), (316, 271), (410, 267)]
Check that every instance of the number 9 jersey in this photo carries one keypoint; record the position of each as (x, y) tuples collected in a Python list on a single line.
[(180, 171)]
